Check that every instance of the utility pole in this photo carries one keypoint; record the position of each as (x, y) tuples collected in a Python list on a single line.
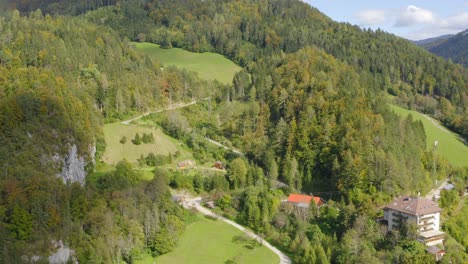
[(209, 102), (434, 166)]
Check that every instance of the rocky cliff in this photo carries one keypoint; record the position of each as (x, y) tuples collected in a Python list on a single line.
[(74, 165)]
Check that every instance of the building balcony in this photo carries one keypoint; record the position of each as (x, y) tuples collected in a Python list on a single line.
[(431, 237), (428, 217), (425, 223), (399, 216)]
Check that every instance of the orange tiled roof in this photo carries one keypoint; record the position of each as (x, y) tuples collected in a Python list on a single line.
[(299, 198)]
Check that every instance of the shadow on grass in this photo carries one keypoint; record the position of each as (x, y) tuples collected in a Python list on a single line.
[(249, 243), (212, 218)]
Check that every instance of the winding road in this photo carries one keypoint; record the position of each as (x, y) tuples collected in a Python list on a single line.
[(223, 146), (195, 203), (435, 193), (126, 122)]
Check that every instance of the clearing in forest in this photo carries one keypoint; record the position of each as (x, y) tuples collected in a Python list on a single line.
[(117, 151), (450, 145), (213, 241), (209, 66)]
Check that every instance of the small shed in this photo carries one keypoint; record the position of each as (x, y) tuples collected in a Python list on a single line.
[(449, 187), (185, 164), (218, 165), (437, 252), (210, 204)]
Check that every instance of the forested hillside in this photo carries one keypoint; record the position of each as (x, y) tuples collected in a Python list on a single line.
[(67, 75), (309, 110), (247, 30), (454, 48), (60, 79)]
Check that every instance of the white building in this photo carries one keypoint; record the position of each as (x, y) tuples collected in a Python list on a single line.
[(416, 211)]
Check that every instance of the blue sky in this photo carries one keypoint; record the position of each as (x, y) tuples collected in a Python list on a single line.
[(417, 19)]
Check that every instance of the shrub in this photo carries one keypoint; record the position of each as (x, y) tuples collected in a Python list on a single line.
[(137, 139)]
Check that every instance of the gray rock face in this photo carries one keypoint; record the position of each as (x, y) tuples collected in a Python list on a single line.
[(62, 255), (74, 166)]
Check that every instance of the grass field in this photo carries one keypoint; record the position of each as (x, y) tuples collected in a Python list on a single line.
[(211, 241), (208, 65), (450, 145), (115, 151)]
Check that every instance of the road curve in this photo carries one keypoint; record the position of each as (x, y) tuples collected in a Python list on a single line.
[(223, 146), (435, 193), (195, 202), (126, 122)]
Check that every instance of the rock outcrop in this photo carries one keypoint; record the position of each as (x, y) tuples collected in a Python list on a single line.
[(62, 255), (74, 165)]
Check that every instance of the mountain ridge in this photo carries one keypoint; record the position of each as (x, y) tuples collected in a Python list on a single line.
[(431, 42), (454, 47)]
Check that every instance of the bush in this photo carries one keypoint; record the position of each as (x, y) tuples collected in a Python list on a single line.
[(157, 160), (148, 138), (137, 139)]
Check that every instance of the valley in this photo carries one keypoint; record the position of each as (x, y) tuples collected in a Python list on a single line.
[(224, 132)]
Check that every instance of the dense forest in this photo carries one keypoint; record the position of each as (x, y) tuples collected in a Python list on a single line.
[(60, 79), (454, 48), (248, 30), (309, 109)]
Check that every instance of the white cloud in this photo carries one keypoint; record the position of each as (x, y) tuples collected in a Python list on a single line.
[(414, 15), (442, 26), (419, 23), (372, 17), (458, 22)]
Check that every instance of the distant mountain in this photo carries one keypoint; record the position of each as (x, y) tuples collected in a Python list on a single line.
[(455, 47), (431, 42)]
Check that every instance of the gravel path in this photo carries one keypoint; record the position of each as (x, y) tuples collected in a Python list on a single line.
[(435, 193), (126, 122), (195, 203), (226, 147)]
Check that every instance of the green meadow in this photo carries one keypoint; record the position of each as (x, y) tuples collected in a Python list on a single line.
[(213, 241), (209, 66), (116, 151), (450, 145)]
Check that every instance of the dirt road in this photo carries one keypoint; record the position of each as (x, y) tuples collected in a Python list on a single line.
[(435, 193), (223, 146), (126, 122), (195, 203)]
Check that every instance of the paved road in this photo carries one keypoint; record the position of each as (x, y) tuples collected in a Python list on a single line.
[(195, 202), (438, 125), (126, 122), (226, 147), (436, 192)]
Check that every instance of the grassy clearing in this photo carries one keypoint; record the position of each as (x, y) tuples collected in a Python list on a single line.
[(115, 151), (450, 145), (211, 241), (209, 66)]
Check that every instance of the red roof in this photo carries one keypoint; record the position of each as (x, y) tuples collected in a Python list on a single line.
[(300, 198)]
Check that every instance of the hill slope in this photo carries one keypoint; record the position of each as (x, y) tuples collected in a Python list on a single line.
[(248, 31), (209, 66), (450, 145), (432, 42), (455, 48)]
